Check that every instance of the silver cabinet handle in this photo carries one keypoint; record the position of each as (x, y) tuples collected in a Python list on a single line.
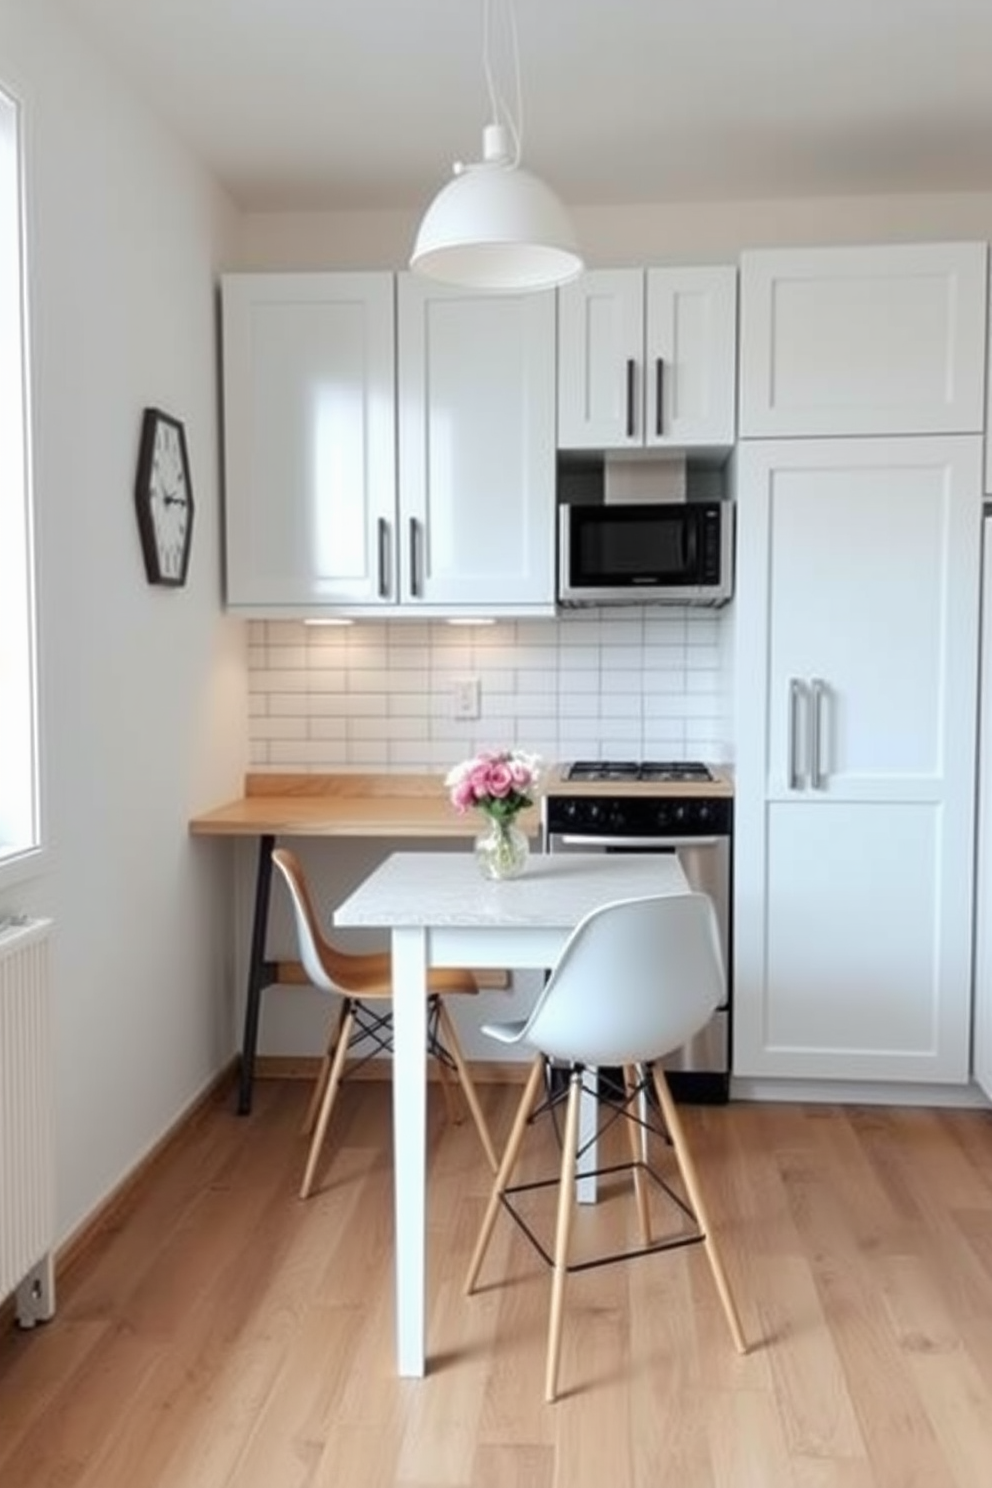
[(659, 396), (631, 389), (817, 775), (797, 702), (383, 558), (414, 557)]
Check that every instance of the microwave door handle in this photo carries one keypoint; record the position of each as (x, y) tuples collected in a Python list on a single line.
[(631, 390), (691, 530)]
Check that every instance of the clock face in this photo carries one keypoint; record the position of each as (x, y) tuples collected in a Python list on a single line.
[(164, 498)]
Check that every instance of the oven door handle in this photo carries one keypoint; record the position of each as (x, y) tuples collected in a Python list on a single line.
[(647, 843)]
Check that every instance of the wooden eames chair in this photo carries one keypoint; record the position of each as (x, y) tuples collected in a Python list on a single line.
[(636, 980), (364, 983)]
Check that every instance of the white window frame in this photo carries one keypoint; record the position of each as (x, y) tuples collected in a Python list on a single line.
[(21, 839)]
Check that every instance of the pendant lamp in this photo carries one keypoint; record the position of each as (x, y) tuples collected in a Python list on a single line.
[(497, 226)]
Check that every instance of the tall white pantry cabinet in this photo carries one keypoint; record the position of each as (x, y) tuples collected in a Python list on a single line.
[(857, 600)]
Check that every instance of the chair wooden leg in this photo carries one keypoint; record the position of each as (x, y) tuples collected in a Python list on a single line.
[(454, 1048), (674, 1124), (449, 1091), (323, 1074), (334, 1080), (638, 1138), (563, 1230), (506, 1167)]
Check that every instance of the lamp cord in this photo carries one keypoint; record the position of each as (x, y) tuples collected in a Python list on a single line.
[(501, 110)]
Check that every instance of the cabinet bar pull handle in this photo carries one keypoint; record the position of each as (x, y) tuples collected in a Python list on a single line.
[(817, 775), (659, 405), (631, 380), (383, 558), (414, 557), (797, 697)]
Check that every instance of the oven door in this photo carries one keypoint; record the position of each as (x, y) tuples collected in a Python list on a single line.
[(700, 1070)]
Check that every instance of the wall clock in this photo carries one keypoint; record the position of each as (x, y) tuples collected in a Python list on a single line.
[(163, 495)]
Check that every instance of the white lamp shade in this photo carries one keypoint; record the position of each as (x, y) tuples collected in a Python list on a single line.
[(496, 226)]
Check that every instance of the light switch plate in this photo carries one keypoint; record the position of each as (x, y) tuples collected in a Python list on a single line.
[(466, 692)]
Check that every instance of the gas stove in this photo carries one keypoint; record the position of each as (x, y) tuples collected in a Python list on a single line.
[(659, 806), (622, 770), (628, 799)]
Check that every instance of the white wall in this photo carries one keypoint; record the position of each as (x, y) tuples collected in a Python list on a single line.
[(143, 689), (677, 233)]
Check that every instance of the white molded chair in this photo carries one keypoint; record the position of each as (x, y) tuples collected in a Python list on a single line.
[(364, 982), (636, 979)]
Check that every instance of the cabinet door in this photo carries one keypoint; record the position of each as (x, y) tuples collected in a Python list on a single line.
[(857, 617), (309, 438), (983, 887), (869, 340), (601, 361), (476, 445), (691, 357)]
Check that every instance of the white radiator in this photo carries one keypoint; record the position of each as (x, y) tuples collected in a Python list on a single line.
[(27, 1136)]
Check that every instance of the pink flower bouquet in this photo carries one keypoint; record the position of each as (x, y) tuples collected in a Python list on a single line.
[(497, 782)]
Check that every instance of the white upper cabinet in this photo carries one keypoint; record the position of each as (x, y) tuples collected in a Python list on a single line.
[(386, 459), (856, 636), (476, 448), (647, 359), (309, 439), (863, 340)]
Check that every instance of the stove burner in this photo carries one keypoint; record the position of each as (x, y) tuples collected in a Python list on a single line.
[(603, 770), (631, 770)]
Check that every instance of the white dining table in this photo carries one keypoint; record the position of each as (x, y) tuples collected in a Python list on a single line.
[(440, 911)]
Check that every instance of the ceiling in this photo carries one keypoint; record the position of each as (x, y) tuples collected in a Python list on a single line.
[(364, 104)]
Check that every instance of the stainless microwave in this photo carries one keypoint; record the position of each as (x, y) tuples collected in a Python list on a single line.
[(665, 552)]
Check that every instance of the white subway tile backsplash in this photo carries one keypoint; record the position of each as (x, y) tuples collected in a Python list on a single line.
[(266, 680), (415, 704), (639, 683), (328, 728), (279, 728)]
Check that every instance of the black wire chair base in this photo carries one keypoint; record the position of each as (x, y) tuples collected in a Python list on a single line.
[(618, 1104), (376, 1028)]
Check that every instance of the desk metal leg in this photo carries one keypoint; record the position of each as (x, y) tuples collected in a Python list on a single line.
[(260, 972)]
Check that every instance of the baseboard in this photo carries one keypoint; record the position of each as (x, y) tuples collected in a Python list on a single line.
[(858, 1093), (303, 1067)]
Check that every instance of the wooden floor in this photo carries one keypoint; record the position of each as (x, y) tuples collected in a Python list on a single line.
[(225, 1335)]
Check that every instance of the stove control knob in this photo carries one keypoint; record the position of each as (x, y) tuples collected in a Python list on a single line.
[(594, 813), (680, 814), (663, 816), (618, 817)]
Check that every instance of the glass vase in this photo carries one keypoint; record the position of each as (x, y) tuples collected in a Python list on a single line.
[(502, 850)]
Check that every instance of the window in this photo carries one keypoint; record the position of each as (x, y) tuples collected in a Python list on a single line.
[(19, 811)]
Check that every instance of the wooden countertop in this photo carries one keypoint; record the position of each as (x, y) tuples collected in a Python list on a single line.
[(353, 805), (385, 805)]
